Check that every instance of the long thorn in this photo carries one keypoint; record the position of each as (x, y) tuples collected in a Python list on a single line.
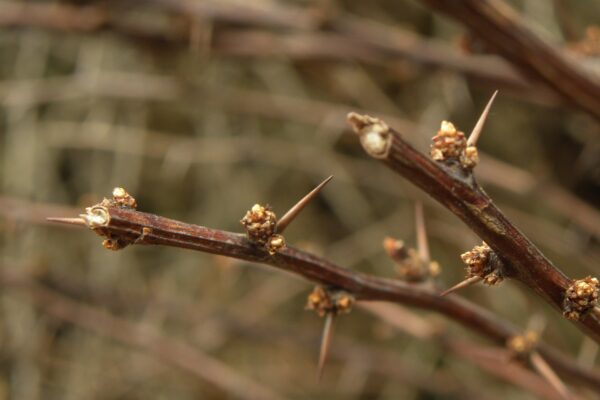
[(542, 367), (587, 353), (69, 221), (467, 282), (537, 323), (474, 136), (325, 341), (422, 242), (299, 206)]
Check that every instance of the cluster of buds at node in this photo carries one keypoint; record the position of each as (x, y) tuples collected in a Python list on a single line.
[(451, 144), (329, 301), (120, 198), (580, 298), (260, 223), (483, 262), (522, 345), (409, 265), (97, 217)]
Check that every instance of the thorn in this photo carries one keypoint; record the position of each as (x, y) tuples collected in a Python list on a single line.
[(542, 367), (422, 242), (587, 353), (474, 136), (467, 282), (325, 341), (69, 221), (537, 323), (299, 206)]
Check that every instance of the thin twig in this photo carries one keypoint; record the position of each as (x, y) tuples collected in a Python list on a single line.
[(542, 367), (458, 191), (132, 226)]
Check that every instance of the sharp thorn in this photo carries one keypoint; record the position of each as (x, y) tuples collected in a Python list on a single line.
[(467, 282), (474, 136), (422, 241), (587, 353), (69, 221), (298, 207), (325, 341), (537, 323), (542, 367)]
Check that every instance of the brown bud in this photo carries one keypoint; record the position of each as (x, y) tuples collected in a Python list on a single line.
[(123, 199), (409, 266), (580, 297), (524, 344), (275, 243), (481, 261), (325, 301), (448, 142), (260, 224), (469, 158)]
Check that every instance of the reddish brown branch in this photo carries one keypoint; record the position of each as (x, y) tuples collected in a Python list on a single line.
[(457, 190), (126, 226), (502, 28)]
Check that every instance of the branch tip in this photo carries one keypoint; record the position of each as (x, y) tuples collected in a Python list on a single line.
[(542, 367), (374, 134)]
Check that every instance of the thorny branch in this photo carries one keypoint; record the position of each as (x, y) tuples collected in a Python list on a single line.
[(455, 187), (122, 226)]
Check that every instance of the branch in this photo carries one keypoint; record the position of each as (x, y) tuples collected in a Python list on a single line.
[(456, 188), (501, 27), (126, 226)]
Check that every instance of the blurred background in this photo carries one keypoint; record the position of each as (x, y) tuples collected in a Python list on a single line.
[(201, 109)]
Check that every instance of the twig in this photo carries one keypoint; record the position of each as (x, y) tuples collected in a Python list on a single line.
[(131, 226), (458, 191), (542, 367), (494, 361)]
